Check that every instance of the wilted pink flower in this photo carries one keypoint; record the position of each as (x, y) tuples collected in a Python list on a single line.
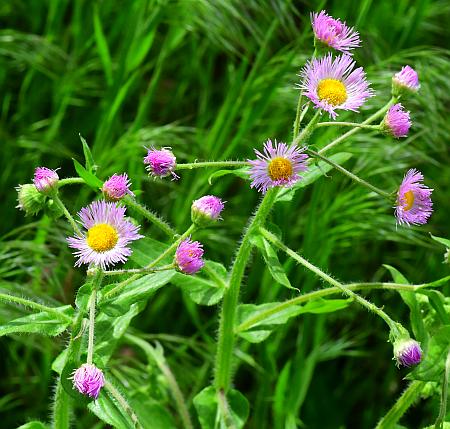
[(188, 256), (117, 186), (407, 352), (334, 33), (161, 163), (406, 79), (206, 209), (88, 380), (414, 205), (332, 84), (107, 235), (279, 165), (45, 179), (396, 122)]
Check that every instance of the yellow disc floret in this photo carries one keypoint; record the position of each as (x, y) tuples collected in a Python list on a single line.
[(280, 169), (408, 200), (102, 237), (332, 91)]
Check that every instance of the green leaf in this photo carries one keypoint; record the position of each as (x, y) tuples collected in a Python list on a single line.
[(34, 425), (256, 322), (272, 262), (108, 410), (102, 48), (239, 172), (433, 365), (146, 250), (203, 291), (444, 241), (314, 172), (38, 323), (89, 160), (207, 406), (91, 180)]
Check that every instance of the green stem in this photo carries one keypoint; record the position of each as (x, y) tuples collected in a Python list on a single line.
[(371, 307), (123, 403), (368, 121), (169, 250), (444, 395), (401, 406), (350, 174), (211, 164), (348, 124), (34, 305), (224, 354), (68, 216), (138, 270), (70, 181), (158, 356), (307, 131), (312, 296), (92, 303), (61, 407), (153, 218)]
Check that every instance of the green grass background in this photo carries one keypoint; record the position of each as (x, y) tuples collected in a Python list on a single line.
[(214, 79)]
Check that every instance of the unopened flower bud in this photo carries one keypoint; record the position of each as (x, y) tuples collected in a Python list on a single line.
[(30, 200), (116, 187), (160, 163), (45, 179), (206, 210), (405, 81), (396, 122), (188, 257), (407, 352), (88, 380)]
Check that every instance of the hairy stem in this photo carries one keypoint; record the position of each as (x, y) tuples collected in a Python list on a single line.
[(68, 216), (212, 164), (92, 303), (348, 124), (153, 218), (225, 346), (114, 392), (138, 270), (401, 406), (61, 407), (444, 395), (307, 131), (346, 291), (35, 306), (70, 181), (349, 174), (368, 121)]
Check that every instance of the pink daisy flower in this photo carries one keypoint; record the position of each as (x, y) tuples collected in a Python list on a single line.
[(105, 241), (406, 79), (117, 186), (334, 33), (161, 163), (414, 205), (88, 380), (279, 165), (396, 122), (45, 179), (206, 209), (332, 84), (188, 256)]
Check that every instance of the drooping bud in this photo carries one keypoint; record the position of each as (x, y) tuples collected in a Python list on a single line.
[(188, 257), (396, 122), (407, 352), (160, 163), (88, 380), (30, 200), (206, 210), (45, 179), (116, 187), (405, 81)]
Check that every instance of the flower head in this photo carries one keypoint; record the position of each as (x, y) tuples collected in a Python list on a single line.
[(29, 199), (45, 179), (206, 209), (334, 33), (88, 380), (414, 205), (396, 122), (407, 352), (105, 241), (332, 84), (161, 163), (188, 256), (116, 187), (279, 165), (406, 80)]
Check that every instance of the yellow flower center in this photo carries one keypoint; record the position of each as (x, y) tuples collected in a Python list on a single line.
[(102, 237), (332, 90), (280, 168), (408, 200)]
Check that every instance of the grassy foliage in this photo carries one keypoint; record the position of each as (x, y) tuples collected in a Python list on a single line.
[(213, 80)]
